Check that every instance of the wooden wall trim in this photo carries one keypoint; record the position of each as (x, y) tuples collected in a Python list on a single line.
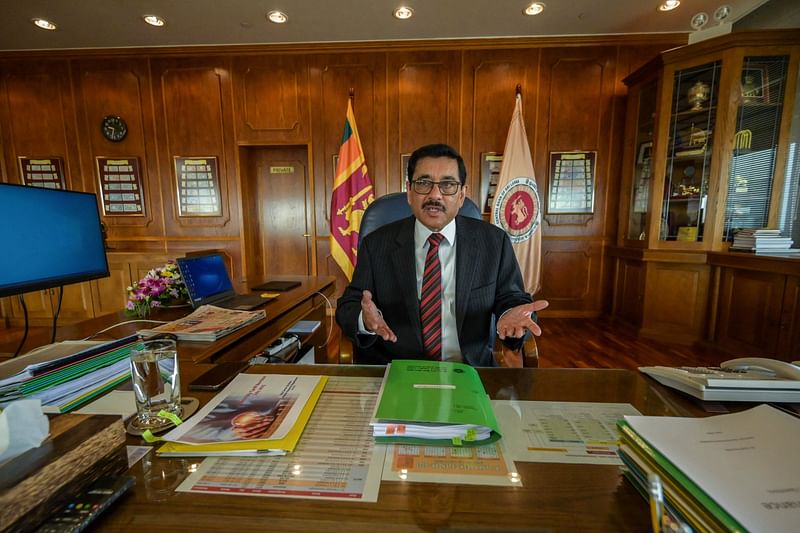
[(669, 39)]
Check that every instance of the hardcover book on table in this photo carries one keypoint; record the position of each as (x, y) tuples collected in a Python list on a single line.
[(433, 403)]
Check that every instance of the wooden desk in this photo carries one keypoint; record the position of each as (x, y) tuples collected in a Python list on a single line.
[(555, 497), (299, 303)]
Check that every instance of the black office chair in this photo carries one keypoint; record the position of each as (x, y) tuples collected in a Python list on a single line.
[(394, 206)]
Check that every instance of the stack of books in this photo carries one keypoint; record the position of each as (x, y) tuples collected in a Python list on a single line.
[(731, 472), (207, 323), (65, 382), (763, 241)]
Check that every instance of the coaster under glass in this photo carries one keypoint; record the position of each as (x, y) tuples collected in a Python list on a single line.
[(188, 407)]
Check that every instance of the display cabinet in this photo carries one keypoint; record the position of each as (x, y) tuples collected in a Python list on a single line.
[(706, 153)]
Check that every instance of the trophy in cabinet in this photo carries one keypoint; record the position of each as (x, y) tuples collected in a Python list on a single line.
[(698, 95)]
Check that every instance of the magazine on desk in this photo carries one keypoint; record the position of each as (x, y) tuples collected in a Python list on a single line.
[(256, 414), (207, 323)]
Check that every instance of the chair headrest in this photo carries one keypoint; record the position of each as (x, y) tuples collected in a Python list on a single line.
[(394, 206)]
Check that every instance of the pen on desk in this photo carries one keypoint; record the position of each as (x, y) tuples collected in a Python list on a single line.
[(656, 501)]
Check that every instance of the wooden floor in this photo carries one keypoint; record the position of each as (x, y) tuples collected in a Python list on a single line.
[(565, 343)]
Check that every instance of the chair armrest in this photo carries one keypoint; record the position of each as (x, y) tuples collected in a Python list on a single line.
[(526, 356)]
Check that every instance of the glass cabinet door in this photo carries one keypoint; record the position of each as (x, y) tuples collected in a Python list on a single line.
[(690, 143), (755, 143), (643, 169)]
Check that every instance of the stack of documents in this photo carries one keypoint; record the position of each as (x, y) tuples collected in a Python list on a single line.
[(732, 472), (67, 381), (255, 414), (762, 241), (434, 403), (207, 323)]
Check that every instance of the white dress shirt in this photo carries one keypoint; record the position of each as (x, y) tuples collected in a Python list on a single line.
[(451, 351)]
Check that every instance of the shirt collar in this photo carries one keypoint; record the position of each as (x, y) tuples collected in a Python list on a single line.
[(421, 233)]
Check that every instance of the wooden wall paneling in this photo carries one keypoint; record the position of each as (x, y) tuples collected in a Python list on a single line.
[(789, 341), (423, 105), (271, 99), (489, 85), (39, 118), (194, 117), (750, 304), (629, 296), (676, 297), (120, 87), (331, 77), (570, 273)]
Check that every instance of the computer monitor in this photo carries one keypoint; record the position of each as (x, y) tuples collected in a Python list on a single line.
[(49, 237)]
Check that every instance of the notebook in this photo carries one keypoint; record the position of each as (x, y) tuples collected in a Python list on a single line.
[(275, 285), (207, 282)]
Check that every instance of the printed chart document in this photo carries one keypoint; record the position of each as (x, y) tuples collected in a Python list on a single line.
[(255, 414), (433, 403), (745, 462), (335, 460), (562, 432), (207, 323), (473, 465)]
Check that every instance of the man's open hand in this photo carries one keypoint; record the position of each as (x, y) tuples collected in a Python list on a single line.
[(517, 320), (373, 318)]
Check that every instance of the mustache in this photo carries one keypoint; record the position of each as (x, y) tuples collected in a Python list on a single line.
[(433, 203)]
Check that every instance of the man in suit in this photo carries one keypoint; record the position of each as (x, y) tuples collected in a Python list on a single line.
[(475, 273)]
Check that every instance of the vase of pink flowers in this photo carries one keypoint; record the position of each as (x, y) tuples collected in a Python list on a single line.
[(160, 287)]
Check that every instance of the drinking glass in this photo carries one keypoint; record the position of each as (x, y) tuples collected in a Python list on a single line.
[(156, 382)]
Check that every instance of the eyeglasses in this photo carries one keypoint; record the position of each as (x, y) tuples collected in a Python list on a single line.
[(446, 187)]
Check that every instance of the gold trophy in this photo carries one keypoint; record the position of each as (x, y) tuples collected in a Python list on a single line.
[(698, 95)]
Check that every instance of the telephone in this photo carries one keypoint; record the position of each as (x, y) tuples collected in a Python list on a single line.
[(747, 379)]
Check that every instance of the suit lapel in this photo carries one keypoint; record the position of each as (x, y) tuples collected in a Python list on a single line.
[(465, 269), (405, 274)]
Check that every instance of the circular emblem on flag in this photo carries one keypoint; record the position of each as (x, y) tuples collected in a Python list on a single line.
[(517, 209)]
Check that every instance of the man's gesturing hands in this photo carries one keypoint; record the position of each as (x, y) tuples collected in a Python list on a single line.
[(373, 318)]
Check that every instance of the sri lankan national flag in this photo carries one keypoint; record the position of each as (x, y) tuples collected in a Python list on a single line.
[(352, 193)]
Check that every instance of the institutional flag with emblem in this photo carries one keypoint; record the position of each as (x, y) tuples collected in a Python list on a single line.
[(352, 193), (516, 206)]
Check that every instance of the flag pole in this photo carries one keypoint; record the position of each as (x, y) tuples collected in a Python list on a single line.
[(519, 89), (352, 94)]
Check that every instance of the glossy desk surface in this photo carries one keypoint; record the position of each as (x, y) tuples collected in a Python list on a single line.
[(554, 497)]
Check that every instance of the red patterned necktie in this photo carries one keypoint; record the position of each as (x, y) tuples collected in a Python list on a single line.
[(430, 304)]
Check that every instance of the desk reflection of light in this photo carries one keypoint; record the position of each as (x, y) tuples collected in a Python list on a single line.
[(297, 470), (514, 477), (403, 473), (193, 468)]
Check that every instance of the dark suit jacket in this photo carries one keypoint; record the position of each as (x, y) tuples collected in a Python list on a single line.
[(488, 281)]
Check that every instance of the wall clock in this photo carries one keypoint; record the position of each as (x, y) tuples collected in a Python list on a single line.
[(114, 128)]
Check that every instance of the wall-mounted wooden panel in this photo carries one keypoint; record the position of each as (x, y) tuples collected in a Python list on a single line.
[(332, 77), (194, 116), (630, 286), (38, 118), (489, 88), (423, 105), (120, 88), (675, 301), (271, 98), (570, 276)]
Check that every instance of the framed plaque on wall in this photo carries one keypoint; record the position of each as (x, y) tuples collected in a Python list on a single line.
[(490, 174), (120, 185), (198, 186), (571, 186), (46, 172)]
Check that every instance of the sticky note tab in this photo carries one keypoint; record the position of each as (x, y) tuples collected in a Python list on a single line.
[(456, 441), (471, 435)]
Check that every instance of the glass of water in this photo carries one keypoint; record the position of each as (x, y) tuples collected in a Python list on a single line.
[(156, 382)]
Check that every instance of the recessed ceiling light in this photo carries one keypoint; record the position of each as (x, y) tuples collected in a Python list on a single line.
[(722, 13), (403, 13), (669, 5), (534, 9), (44, 24), (699, 20), (154, 20), (278, 17)]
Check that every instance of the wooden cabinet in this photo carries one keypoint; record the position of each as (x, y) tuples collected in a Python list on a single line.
[(84, 300), (757, 306), (705, 152)]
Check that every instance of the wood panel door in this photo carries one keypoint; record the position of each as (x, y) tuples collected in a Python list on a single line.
[(278, 182)]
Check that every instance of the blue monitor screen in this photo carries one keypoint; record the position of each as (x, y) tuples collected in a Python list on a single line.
[(205, 276), (49, 238)]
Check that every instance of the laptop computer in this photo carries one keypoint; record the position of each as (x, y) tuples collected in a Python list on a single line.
[(207, 282)]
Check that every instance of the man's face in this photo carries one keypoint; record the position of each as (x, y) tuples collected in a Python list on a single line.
[(434, 209)]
